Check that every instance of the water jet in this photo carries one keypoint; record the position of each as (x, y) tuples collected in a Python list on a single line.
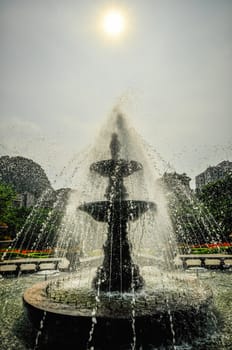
[(120, 304)]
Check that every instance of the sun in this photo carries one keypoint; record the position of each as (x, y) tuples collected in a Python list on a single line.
[(113, 23)]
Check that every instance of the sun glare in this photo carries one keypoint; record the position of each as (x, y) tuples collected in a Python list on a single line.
[(113, 23)]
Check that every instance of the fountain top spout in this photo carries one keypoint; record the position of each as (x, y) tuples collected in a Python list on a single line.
[(115, 146)]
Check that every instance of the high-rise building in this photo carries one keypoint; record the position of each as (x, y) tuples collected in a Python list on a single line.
[(213, 173)]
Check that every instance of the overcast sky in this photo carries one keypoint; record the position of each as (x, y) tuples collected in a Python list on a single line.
[(171, 72)]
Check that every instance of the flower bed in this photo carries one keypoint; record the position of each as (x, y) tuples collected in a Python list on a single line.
[(25, 253), (212, 248)]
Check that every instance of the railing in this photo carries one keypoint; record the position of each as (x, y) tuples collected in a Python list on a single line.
[(30, 264), (220, 261)]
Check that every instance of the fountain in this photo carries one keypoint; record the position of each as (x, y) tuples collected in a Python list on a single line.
[(119, 305), (118, 272)]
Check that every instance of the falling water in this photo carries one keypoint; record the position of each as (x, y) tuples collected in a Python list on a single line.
[(151, 236)]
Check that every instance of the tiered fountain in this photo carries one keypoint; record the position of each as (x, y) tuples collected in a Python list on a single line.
[(119, 306), (118, 272)]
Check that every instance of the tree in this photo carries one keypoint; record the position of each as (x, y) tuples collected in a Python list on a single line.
[(217, 197), (7, 196), (11, 215), (24, 175), (190, 218), (40, 229)]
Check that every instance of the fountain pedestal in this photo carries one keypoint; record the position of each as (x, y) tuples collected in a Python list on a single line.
[(118, 272)]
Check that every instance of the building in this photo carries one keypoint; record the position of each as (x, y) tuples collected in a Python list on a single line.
[(25, 199), (177, 181), (213, 173)]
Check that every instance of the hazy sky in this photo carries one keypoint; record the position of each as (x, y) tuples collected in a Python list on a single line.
[(171, 71)]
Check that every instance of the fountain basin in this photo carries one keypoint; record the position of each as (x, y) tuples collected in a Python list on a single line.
[(158, 316), (127, 209), (110, 167)]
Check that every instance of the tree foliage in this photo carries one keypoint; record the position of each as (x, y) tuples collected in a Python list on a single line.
[(24, 175), (11, 215), (217, 197), (191, 219), (7, 196), (33, 228)]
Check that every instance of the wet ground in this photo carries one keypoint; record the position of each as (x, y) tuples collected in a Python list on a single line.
[(16, 331)]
